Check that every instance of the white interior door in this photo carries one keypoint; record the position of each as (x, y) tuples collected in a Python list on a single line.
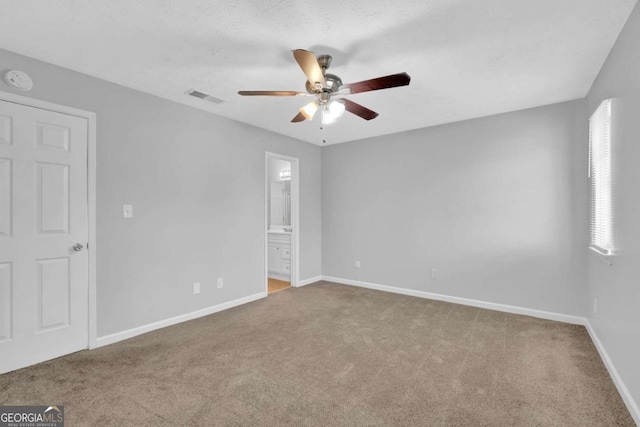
[(43, 214)]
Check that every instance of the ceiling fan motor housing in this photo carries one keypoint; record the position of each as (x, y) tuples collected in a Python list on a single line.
[(333, 84)]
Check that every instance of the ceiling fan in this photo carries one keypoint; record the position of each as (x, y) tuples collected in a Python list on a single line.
[(325, 86)]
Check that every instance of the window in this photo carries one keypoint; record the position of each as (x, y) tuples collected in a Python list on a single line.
[(601, 217)]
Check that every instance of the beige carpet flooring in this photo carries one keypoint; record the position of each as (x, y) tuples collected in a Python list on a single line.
[(333, 355)]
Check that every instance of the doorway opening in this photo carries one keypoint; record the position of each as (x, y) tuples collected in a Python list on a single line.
[(281, 222)]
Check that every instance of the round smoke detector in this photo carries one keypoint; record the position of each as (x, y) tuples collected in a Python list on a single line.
[(18, 80)]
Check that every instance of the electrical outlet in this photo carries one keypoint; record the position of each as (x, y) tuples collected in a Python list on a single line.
[(595, 306), (127, 211), (196, 288), (434, 274), (220, 282), (358, 265)]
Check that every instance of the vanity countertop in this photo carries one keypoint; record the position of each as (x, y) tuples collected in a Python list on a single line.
[(278, 232)]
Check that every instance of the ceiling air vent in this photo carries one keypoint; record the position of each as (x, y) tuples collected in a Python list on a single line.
[(205, 96)]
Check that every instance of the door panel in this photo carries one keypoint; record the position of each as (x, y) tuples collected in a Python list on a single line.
[(5, 301), (43, 212), (52, 137), (52, 195), (53, 293)]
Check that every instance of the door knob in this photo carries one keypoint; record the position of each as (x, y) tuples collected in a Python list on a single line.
[(77, 247)]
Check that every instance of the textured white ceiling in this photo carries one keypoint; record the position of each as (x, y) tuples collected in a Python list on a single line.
[(466, 58)]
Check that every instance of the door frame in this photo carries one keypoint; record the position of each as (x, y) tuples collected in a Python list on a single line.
[(91, 196), (295, 216)]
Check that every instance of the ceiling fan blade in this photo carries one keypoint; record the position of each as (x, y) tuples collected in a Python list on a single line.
[(309, 64), (271, 93), (298, 118), (386, 82), (359, 110)]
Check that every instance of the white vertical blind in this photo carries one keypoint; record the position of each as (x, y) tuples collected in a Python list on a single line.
[(601, 216)]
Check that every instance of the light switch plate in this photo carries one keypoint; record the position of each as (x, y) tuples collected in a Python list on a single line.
[(127, 211)]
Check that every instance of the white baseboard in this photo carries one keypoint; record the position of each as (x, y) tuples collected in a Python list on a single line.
[(309, 281), (576, 320), (632, 406), (130, 333)]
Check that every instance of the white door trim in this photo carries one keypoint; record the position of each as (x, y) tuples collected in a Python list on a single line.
[(295, 215), (91, 196)]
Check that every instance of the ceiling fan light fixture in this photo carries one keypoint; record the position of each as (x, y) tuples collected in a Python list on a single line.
[(309, 110), (336, 107), (285, 175), (331, 112)]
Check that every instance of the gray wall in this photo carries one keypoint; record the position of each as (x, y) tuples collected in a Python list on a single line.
[(196, 182), (617, 287), (495, 204)]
